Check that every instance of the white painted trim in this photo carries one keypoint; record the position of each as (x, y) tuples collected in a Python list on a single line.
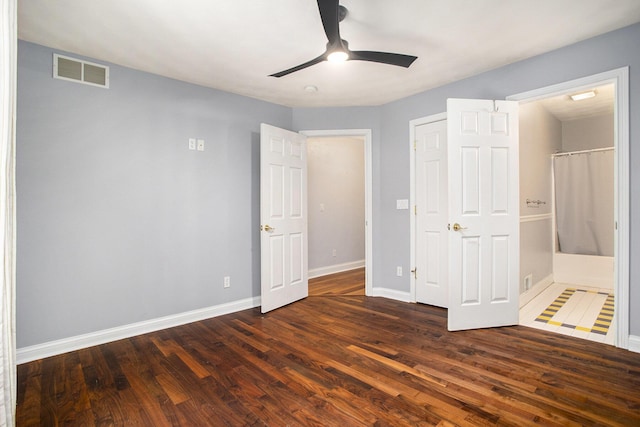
[(368, 194), (620, 78), (336, 268), (52, 348), (535, 290), (532, 218), (392, 294), (413, 124), (634, 343)]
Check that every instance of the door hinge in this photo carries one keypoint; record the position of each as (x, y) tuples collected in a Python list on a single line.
[(415, 209), (415, 145)]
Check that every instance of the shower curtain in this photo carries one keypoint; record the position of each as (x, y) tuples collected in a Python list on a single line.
[(584, 202)]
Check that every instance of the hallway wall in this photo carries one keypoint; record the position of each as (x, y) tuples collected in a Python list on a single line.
[(335, 203)]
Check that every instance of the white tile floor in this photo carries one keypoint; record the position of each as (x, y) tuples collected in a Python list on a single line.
[(581, 309)]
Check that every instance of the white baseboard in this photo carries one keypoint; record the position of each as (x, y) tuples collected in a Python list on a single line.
[(52, 348), (392, 294), (535, 290), (337, 268), (634, 343)]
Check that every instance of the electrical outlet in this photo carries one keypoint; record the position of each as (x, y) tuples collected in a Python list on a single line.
[(227, 281), (399, 271), (192, 143), (333, 253)]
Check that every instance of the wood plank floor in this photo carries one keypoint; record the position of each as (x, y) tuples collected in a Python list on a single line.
[(346, 283), (342, 361)]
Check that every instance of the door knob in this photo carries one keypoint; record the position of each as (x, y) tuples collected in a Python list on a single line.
[(268, 228), (458, 227)]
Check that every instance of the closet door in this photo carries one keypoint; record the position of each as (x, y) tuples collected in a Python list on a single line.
[(432, 237)]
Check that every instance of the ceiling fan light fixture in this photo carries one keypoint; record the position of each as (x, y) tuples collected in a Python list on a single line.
[(583, 95), (338, 56), (331, 13)]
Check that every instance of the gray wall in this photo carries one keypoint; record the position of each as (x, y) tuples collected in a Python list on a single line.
[(335, 192), (540, 137), (118, 222), (588, 133)]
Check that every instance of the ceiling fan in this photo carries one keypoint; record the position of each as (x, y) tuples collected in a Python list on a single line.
[(332, 14)]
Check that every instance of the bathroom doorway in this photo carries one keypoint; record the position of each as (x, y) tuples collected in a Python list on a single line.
[(569, 195)]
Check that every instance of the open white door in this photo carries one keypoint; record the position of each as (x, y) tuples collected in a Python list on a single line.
[(283, 217), (432, 237), (484, 217)]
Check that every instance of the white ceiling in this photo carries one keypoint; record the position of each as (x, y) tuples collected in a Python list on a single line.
[(566, 109), (234, 45)]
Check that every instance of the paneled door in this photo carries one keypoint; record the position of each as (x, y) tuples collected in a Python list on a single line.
[(283, 217), (484, 218), (432, 245)]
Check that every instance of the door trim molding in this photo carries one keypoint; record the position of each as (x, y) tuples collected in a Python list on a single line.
[(413, 124), (620, 78), (368, 191)]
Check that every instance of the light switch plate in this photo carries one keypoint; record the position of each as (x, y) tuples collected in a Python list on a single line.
[(201, 145), (402, 204)]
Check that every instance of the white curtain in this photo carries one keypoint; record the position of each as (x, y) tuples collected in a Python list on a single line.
[(584, 202), (8, 61)]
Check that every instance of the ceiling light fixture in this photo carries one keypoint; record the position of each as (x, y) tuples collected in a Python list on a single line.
[(311, 88), (338, 56), (583, 95)]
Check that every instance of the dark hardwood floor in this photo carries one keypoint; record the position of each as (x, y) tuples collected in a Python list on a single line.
[(342, 360), (346, 283)]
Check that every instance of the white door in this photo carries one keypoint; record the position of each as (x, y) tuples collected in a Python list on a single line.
[(484, 247), (283, 217), (432, 246)]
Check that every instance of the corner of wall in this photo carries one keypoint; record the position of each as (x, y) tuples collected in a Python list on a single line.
[(393, 294), (634, 343)]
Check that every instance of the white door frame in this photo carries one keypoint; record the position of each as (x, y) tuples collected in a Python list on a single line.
[(413, 124), (368, 191), (620, 79)]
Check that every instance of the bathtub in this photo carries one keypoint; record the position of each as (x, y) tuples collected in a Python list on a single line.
[(587, 270)]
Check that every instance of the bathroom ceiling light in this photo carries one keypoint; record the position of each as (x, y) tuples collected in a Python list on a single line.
[(583, 95), (311, 88)]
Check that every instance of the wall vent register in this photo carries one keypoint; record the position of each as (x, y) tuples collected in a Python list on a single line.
[(67, 68)]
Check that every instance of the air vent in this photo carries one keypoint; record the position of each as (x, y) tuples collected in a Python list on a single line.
[(76, 70)]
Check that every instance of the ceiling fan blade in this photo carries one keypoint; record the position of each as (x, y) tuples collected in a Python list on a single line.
[(300, 67), (383, 57), (330, 21)]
